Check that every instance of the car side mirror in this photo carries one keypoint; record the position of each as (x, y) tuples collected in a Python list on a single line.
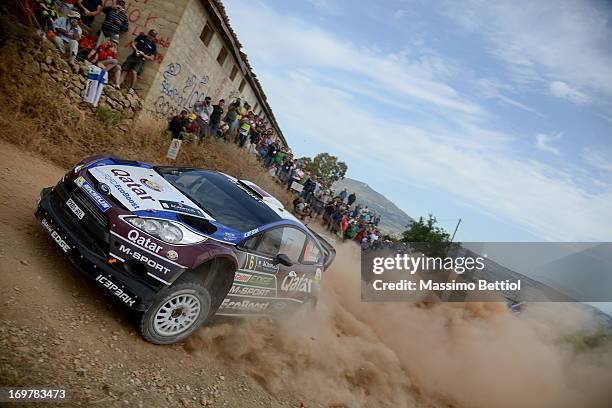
[(283, 259)]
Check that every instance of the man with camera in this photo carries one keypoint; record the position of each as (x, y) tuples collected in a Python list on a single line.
[(145, 49)]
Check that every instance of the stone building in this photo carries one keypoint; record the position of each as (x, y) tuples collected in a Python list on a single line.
[(198, 55)]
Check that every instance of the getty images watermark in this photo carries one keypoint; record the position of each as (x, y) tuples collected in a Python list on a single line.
[(513, 272)]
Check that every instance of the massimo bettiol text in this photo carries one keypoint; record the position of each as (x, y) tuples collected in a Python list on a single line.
[(513, 272), (418, 277)]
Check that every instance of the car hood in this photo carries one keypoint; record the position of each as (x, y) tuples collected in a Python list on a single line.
[(140, 189)]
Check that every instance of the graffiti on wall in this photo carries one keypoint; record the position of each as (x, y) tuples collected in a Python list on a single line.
[(177, 94), (142, 18)]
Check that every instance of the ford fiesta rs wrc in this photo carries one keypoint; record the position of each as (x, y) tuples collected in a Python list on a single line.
[(180, 245)]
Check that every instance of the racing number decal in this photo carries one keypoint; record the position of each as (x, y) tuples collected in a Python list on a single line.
[(251, 263), (259, 264)]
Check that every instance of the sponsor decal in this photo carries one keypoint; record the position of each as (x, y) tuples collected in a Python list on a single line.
[(144, 258), (229, 236), (56, 236), (180, 207), (75, 209), (144, 242), (294, 283), (255, 279), (242, 277), (92, 193), (172, 255), (244, 305), (104, 188), (260, 264), (135, 187), (251, 232), (121, 191), (152, 185), (249, 291), (116, 290)]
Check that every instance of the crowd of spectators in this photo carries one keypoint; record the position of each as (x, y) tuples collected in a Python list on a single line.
[(68, 24)]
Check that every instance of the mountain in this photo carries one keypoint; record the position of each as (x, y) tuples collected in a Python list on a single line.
[(392, 219)]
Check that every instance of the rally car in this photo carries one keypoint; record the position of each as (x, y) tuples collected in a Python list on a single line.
[(181, 244)]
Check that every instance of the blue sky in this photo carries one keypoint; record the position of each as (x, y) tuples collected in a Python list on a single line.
[(496, 112)]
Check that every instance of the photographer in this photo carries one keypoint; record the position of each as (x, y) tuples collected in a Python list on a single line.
[(145, 49)]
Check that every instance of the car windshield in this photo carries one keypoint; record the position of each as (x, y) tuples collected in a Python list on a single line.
[(227, 201)]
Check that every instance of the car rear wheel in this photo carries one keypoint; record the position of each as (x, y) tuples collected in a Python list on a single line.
[(176, 313)]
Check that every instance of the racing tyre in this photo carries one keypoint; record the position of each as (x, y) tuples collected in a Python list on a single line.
[(176, 313)]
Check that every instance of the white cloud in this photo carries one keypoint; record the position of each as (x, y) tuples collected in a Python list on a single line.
[(415, 77), (492, 89), (562, 90), (564, 40), (544, 142), (599, 159)]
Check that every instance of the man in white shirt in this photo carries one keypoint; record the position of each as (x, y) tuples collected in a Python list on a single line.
[(68, 33)]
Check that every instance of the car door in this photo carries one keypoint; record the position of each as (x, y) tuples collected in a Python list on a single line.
[(262, 285)]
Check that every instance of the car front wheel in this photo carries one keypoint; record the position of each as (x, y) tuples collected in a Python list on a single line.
[(177, 312)]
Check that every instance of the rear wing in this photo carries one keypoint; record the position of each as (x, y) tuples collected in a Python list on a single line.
[(328, 250)]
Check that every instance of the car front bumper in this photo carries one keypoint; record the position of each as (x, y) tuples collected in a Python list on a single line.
[(89, 252)]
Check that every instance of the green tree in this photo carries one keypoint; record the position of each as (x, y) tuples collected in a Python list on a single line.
[(325, 166), (426, 237), (425, 231)]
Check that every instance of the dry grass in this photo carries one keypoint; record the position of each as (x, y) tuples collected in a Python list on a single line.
[(39, 118)]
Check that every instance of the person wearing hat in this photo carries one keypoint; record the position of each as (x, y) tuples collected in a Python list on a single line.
[(145, 49), (105, 56), (68, 33), (115, 22)]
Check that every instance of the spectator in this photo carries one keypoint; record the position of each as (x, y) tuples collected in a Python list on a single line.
[(272, 149), (89, 9), (45, 15), (215, 117), (177, 125), (343, 194), (105, 56), (297, 176), (145, 49), (203, 110), (232, 118), (68, 33), (87, 44), (115, 22), (192, 125), (244, 131), (351, 199), (253, 140)]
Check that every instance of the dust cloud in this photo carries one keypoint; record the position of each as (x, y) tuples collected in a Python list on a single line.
[(352, 354)]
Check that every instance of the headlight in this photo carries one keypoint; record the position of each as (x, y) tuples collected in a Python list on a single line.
[(167, 231)]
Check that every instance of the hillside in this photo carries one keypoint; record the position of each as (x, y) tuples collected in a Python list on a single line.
[(392, 218)]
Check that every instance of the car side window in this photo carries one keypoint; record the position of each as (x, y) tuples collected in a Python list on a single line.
[(284, 240), (312, 253), (270, 242), (292, 243)]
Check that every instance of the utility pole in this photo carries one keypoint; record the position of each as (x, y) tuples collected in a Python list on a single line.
[(455, 231)]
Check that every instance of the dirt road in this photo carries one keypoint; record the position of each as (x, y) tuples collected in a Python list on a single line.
[(58, 329)]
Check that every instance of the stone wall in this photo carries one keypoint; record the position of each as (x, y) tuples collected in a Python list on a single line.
[(44, 63)]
